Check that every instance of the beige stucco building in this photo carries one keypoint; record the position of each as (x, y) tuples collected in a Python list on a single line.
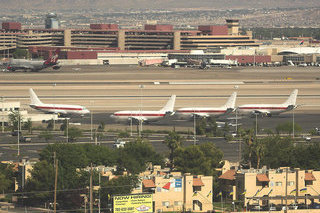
[(173, 191), (274, 186)]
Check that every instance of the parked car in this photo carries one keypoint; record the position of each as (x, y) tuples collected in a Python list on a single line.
[(256, 208), (272, 207), (15, 133), (25, 139), (119, 143)]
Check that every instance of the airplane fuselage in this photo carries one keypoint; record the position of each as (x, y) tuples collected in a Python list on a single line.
[(16, 64), (186, 113), (138, 115), (61, 109), (270, 109)]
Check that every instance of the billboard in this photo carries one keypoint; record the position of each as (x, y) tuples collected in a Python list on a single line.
[(133, 203)]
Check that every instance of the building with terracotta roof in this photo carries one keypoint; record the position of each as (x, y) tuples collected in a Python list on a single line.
[(173, 191), (274, 186)]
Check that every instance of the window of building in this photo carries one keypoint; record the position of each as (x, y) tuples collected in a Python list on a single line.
[(179, 189), (308, 182), (178, 203), (290, 183), (165, 203), (278, 183), (196, 188)]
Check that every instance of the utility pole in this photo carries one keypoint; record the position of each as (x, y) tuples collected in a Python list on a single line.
[(194, 129), (91, 126), (99, 192), (2, 114), (19, 134), (67, 130), (293, 123), (55, 187), (91, 197)]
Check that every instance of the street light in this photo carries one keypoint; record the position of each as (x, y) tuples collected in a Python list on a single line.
[(19, 134), (2, 114), (194, 130), (54, 118), (256, 124), (140, 120), (293, 123), (91, 119), (131, 126), (67, 126)]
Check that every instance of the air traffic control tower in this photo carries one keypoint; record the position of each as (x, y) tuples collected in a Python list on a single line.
[(52, 21)]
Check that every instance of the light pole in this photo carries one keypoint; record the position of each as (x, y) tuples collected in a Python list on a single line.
[(67, 126), (237, 120), (19, 134), (91, 120), (140, 120), (2, 114), (91, 124), (293, 123), (54, 119), (131, 126), (194, 130), (256, 124)]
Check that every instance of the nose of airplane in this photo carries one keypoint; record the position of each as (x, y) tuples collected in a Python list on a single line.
[(85, 111)]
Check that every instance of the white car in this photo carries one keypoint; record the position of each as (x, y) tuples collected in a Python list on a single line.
[(307, 138), (119, 144)]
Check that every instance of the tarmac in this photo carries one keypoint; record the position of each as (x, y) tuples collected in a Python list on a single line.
[(113, 88)]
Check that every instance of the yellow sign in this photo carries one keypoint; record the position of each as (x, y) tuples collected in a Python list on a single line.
[(133, 203)]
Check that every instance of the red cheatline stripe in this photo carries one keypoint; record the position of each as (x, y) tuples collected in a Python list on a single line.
[(201, 111), (262, 107), (129, 114), (58, 108)]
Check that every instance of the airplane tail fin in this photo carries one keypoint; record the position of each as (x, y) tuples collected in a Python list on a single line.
[(34, 100), (292, 98), (231, 102), (170, 105), (53, 59)]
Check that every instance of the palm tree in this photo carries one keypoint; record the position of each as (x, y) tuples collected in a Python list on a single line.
[(173, 141)]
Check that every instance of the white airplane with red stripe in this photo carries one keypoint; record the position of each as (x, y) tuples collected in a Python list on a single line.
[(139, 115), (55, 108), (270, 109), (228, 107)]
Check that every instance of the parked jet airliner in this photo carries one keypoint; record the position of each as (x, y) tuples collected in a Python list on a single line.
[(147, 115), (270, 109), (24, 64), (55, 108), (227, 108)]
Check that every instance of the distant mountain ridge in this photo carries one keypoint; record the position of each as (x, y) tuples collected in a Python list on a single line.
[(153, 4)]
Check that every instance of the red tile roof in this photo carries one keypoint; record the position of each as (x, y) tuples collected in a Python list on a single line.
[(262, 178), (148, 183), (197, 182), (229, 175), (309, 176)]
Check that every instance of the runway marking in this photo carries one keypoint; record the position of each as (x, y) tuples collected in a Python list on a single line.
[(206, 82)]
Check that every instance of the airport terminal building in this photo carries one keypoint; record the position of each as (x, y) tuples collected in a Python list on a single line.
[(152, 37)]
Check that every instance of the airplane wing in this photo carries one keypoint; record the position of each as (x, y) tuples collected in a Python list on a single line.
[(264, 112), (138, 118), (202, 115)]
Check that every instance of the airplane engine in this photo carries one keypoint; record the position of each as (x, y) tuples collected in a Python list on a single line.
[(56, 67)]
